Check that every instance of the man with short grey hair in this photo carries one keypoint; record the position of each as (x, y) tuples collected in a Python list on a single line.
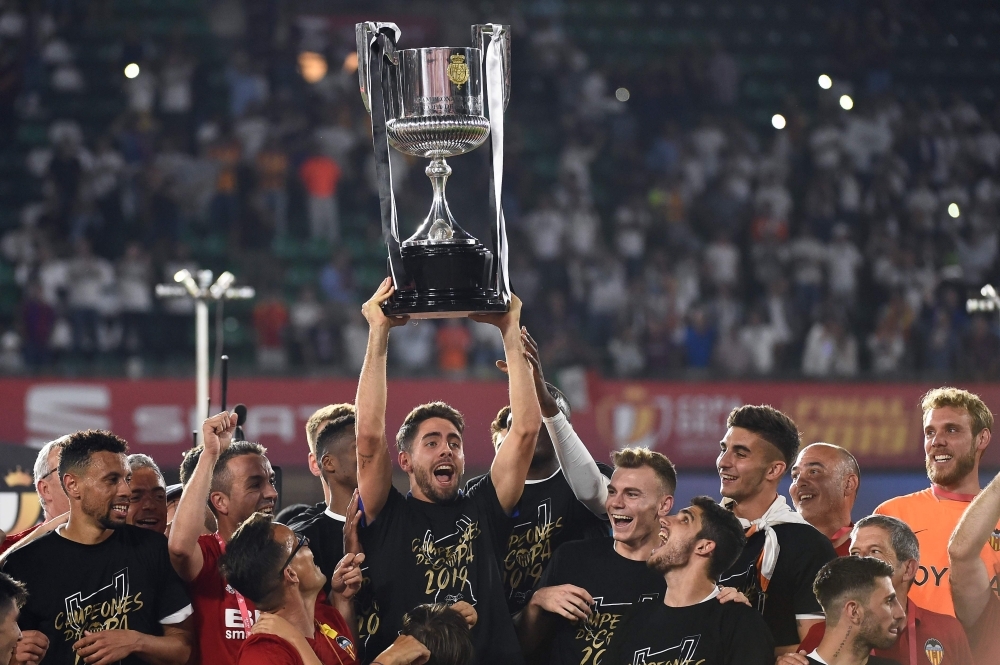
[(892, 541), (51, 495), (147, 508)]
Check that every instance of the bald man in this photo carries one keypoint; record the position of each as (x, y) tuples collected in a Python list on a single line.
[(825, 481)]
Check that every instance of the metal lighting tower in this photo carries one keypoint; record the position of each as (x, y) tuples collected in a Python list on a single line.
[(201, 288), (990, 302)]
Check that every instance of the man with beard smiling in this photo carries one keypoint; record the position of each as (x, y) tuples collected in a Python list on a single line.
[(437, 544), (825, 481), (957, 428), (783, 552), (690, 625), (236, 480), (147, 508), (862, 612), (590, 583), (101, 590)]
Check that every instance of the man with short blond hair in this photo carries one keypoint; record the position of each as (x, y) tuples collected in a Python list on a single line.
[(320, 418), (957, 428)]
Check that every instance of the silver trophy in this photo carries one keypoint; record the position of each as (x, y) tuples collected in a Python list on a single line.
[(432, 106)]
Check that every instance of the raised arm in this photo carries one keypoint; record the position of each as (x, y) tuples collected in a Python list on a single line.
[(374, 465), (510, 466), (589, 485), (970, 581), (189, 520)]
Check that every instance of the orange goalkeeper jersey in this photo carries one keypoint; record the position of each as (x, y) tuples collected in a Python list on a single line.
[(933, 514)]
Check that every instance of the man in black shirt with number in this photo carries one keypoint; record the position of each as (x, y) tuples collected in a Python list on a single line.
[(438, 544), (690, 625), (783, 552), (98, 588), (591, 583), (563, 498)]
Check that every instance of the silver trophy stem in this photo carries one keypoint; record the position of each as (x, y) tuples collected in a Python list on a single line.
[(439, 227)]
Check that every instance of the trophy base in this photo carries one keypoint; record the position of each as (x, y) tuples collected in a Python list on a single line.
[(446, 281)]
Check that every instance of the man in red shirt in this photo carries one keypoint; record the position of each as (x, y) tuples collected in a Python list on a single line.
[(924, 632), (51, 495), (236, 480), (976, 604), (320, 175), (825, 481)]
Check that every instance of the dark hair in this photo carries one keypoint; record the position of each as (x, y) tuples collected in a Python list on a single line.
[(634, 458), (11, 591), (443, 631), (324, 414), (404, 437), (333, 434), (251, 561), (291, 513), (769, 424), (904, 542), (500, 423), (847, 578), (189, 462), (222, 479), (722, 528), (81, 445)]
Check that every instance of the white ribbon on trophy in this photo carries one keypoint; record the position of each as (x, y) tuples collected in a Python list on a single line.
[(495, 96)]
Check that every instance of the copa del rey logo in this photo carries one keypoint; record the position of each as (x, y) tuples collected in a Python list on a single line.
[(634, 416)]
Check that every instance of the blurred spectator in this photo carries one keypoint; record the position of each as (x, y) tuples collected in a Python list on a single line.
[(272, 173), (722, 261), (320, 175), (270, 320), (699, 340), (943, 345), (626, 353), (246, 86), (88, 277), (830, 351), (226, 155), (135, 297), (887, 347), (175, 83), (760, 338), (306, 317), (37, 320), (724, 76), (980, 355), (412, 347), (843, 262), (453, 343), (336, 280), (632, 221)]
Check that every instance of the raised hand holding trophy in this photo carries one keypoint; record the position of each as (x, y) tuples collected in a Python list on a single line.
[(428, 102)]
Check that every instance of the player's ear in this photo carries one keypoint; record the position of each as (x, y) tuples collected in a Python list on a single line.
[(854, 612), (910, 570), (313, 465), (404, 461), (704, 547), (983, 439), (72, 485), (666, 505), (776, 469), (220, 502), (327, 463)]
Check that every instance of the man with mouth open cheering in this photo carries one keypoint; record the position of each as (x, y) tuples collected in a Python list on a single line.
[(236, 480), (438, 544), (957, 428), (783, 552)]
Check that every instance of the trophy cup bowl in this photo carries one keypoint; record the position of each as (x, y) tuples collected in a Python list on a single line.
[(433, 99)]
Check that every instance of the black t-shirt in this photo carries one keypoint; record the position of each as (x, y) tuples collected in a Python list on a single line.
[(307, 515), (326, 540), (804, 550), (872, 660), (616, 583), (419, 552), (124, 582), (709, 633), (547, 516)]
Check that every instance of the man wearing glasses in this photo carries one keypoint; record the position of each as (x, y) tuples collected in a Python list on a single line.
[(273, 567)]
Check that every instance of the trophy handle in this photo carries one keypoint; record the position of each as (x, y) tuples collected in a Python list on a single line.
[(365, 35), (497, 32)]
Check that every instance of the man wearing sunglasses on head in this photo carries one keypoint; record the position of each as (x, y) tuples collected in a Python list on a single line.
[(273, 567)]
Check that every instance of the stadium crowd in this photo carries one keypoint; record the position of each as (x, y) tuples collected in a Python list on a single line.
[(550, 557), (660, 236)]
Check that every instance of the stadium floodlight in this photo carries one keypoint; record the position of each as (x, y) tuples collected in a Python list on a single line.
[(201, 289), (825, 81), (990, 302), (953, 210), (622, 94), (778, 121), (846, 102)]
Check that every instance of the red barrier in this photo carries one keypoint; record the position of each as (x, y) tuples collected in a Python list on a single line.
[(880, 423)]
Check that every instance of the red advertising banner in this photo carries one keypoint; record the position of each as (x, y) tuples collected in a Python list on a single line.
[(879, 423)]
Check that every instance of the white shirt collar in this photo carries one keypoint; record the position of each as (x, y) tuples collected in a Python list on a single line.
[(332, 515), (815, 656)]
